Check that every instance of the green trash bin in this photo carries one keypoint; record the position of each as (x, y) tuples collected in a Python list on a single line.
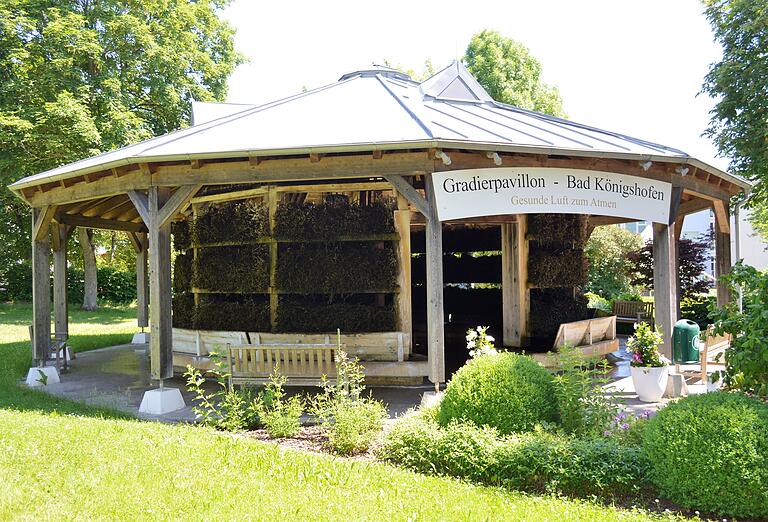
[(685, 342)]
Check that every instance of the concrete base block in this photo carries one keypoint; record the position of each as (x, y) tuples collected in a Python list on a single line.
[(42, 376), (161, 401), (140, 338), (676, 386), (431, 398)]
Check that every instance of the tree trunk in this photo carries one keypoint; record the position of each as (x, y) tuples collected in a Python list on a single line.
[(85, 237)]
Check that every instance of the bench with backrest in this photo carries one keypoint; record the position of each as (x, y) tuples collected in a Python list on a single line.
[(58, 349), (633, 312), (301, 364), (711, 348)]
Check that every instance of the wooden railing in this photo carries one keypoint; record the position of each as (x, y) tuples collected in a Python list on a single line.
[(301, 364)]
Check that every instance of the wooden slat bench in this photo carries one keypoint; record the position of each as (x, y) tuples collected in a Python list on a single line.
[(301, 364), (710, 348), (593, 337), (633, 312)]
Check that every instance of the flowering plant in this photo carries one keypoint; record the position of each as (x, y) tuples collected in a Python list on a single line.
[(644, 346), (479, 342)]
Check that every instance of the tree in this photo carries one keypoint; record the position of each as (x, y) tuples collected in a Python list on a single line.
[(79, 77), (692, 258), (506, 69), (609, 268), (758, 218), (739, 83)]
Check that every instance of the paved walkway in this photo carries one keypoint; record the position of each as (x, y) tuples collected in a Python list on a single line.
[(118, 376)]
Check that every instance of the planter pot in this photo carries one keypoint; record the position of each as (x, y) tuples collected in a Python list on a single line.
[(649, 382)]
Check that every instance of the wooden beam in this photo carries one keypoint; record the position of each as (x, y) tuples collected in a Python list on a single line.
[(314, 158), (434, 267), (41, 291), (674, 203), (146, 169), (60, 304), (722, 255), (161, 329), (102, 224), (599, 221), (176, 203), (514, 282), (722, 216), (404, 307), (377, 154), (195, 164), (133, 237), (693, 206), (254, 161), (664, 285), (43, 219), (141, 202), (408, 192), (142, 280)]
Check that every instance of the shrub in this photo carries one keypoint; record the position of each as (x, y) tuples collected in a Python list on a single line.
[(281, 416), (507, 391), (746, 357), (535, 461), (696, 309), (710, 452), (332, 268), (350, 420), (598, 302)]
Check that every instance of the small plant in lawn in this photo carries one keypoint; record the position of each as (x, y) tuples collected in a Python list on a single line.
[(350, 420), (43, 378), (479, 342), (281, 416), (584, 406), (644, 346), (225, 409)]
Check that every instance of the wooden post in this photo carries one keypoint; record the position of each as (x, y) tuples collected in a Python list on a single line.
[(403, 226), (722, 253), (514, 282), (142, 281), (664, 285), (435, 316), (41, 287), (161, 329), (60, 305), (272, 201), (678, 232)]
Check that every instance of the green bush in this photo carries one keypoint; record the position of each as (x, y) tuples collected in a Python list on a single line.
[(232, 269), (534, 461), (507, 391), (332, 268), (710, 453), (697, 309), (245, 220), (336, 217), (281, 415), (320, 314)]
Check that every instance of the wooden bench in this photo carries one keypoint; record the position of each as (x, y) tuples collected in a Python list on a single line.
[(712, 346), (301, 364), (58, 349), (592, 337), (633, 312)]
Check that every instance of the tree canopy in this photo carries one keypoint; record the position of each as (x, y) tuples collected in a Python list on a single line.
[(739, 82), (79, 77), (506, 69), (609, 269)]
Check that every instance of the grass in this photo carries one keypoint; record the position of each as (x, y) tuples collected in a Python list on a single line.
[(63, 460)]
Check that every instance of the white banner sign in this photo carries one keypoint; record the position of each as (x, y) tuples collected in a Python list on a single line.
[(531, 190)]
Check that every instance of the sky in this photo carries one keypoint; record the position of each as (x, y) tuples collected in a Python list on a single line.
[(633, 67)]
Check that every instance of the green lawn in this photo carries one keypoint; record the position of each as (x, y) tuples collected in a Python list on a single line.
[(64, 460)]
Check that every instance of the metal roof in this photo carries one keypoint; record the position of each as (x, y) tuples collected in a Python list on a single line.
[(377, 108)]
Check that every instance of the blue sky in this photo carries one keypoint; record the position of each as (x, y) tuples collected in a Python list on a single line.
[(627, 66)]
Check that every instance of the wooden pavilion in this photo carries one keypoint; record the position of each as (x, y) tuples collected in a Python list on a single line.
[(373, 130)]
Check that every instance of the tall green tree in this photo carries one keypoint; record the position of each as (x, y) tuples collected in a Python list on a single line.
[(79, 77), (609, 269), (506, 69), (739, 83)]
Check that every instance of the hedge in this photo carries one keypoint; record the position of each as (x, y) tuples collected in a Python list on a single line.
[(312, 314), (533, 462), (232, 269), (114, 286), (567, 229), (334, 268), (244, 220), (553, 268), (334, 218)]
